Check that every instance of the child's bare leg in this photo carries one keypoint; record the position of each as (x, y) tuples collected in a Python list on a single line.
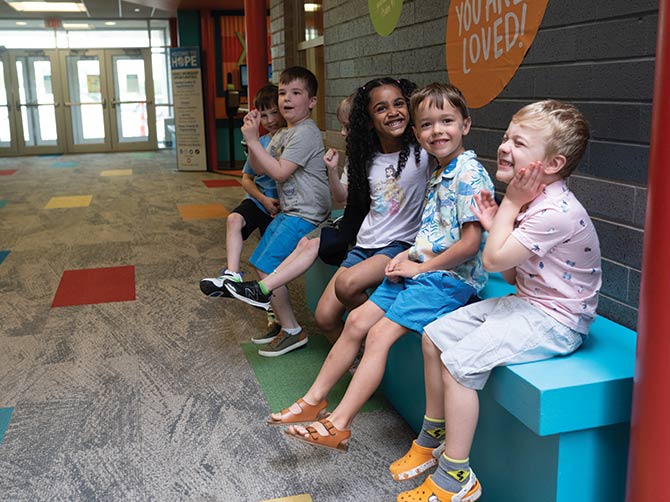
[(343, 353), (294, 265), (432, 371), (329, 310), (235, 222), (352, 284), (281, 305), (369, 374), (461, 412)]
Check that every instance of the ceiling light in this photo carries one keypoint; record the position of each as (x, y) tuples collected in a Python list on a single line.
[(136, 10), (312, 7), (47, 6), (110, 23), (21, 23), (77, 26)]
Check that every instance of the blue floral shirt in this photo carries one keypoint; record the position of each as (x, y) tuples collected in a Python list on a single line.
[(448, 205)]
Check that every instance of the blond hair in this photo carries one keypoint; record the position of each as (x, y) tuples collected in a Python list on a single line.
[(344, 109), (567, 129)]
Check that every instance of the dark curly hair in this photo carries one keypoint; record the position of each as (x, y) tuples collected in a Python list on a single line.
[(363, 142)]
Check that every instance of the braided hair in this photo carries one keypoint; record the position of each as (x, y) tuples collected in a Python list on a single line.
[(363, 142)]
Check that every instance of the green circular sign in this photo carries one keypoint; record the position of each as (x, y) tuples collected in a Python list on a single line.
[(384, 15)]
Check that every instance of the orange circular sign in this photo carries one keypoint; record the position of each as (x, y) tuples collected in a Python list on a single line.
[(486, 42)]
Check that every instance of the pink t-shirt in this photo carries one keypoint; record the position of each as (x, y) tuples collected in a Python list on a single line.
[(563, 276)]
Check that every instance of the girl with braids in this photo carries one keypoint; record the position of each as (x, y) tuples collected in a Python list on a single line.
[(384, 186), (441, 272)]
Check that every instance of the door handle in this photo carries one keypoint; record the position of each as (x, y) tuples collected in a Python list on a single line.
[(104, 103)]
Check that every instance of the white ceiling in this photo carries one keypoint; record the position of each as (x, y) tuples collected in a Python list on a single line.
[(97, 9)]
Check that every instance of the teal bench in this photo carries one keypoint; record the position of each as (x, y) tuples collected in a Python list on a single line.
[(549, 431)]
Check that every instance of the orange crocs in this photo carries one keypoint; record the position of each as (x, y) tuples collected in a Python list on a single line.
[(416, 461), (430, 492), (300, 412)]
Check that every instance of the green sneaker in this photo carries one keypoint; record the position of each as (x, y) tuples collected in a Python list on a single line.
[(283, 343), (273, 331)]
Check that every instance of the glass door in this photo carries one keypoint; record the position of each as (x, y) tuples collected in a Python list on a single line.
[(86, 101), (7, 123), (39, 130), (133, 113)]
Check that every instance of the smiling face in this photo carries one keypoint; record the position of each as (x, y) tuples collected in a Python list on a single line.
[(440, 131), (389, 116), (295, 104), (271, 120), (521, 145)]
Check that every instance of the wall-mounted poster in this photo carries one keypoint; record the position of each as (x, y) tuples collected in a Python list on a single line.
[(189, 119), (384, 15), (486, 42)]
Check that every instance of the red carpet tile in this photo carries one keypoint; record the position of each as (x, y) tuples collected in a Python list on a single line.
[(7, 172), (95, 285), (221, 183)]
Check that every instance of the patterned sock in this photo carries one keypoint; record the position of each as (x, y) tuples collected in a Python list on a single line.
[(292, 331), (452, 474), (264, 290), (432, 432)]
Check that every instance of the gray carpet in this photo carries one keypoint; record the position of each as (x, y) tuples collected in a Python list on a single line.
[(149, 399)]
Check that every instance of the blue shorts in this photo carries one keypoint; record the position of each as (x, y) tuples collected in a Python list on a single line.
[(279, 240), (415, 303), (358, 254)]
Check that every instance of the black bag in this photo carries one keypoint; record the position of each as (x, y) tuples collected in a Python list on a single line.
[(333, 247)]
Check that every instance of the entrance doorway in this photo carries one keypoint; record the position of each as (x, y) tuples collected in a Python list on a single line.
[(76, 101)]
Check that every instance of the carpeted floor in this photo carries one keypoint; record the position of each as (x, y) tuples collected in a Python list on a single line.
[(119, 380)]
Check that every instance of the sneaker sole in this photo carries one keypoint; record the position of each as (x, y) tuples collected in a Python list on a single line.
[(211, 290), (253, 303), (263, 341), (301, 343), (412, 473)]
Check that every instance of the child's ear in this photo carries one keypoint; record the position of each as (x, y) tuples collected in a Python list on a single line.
[(466, 126), (554, 164), (312, 102)]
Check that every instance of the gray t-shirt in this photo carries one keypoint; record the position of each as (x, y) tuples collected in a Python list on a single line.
[(306, 192)]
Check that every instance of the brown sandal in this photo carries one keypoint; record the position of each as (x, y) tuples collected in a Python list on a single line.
[(333, 438), (304, 413)]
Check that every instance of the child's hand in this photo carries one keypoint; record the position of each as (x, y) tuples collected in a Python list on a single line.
[(331, 159), (250, 126), (396, 269), (485, 208), (526, 184), (271, 205)]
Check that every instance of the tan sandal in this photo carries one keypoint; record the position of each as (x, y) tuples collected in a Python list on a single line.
[(301, 412), (325, 434)]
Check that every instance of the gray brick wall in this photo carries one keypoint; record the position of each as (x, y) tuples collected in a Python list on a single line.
[(597, 54)]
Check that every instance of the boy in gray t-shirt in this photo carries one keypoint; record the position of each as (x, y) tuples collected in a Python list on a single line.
[(294, 159)]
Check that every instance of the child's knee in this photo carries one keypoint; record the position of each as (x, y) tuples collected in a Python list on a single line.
[(357, 325), (235, 220), (346, 286), (428, 347), (325, 320)]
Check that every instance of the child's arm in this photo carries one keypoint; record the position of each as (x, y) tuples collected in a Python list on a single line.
[(502, 251), (461, 251), (485, 208), (263, 162), (337, 188), (271, 205)]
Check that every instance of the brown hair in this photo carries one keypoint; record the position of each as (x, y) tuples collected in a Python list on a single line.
[(266, 97), (436, 94), (300, 73)]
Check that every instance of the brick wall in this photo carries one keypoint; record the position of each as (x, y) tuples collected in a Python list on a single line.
[(597, 54)]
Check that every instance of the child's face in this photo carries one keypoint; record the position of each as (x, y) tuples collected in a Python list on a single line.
[(521, 145), (295, 105), (271, 120), (388, 113), (344, 129), (440, 131)]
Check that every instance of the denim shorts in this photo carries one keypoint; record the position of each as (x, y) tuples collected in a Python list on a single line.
[(496, 332), (358, 254), (416, 302), (279, 240)]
